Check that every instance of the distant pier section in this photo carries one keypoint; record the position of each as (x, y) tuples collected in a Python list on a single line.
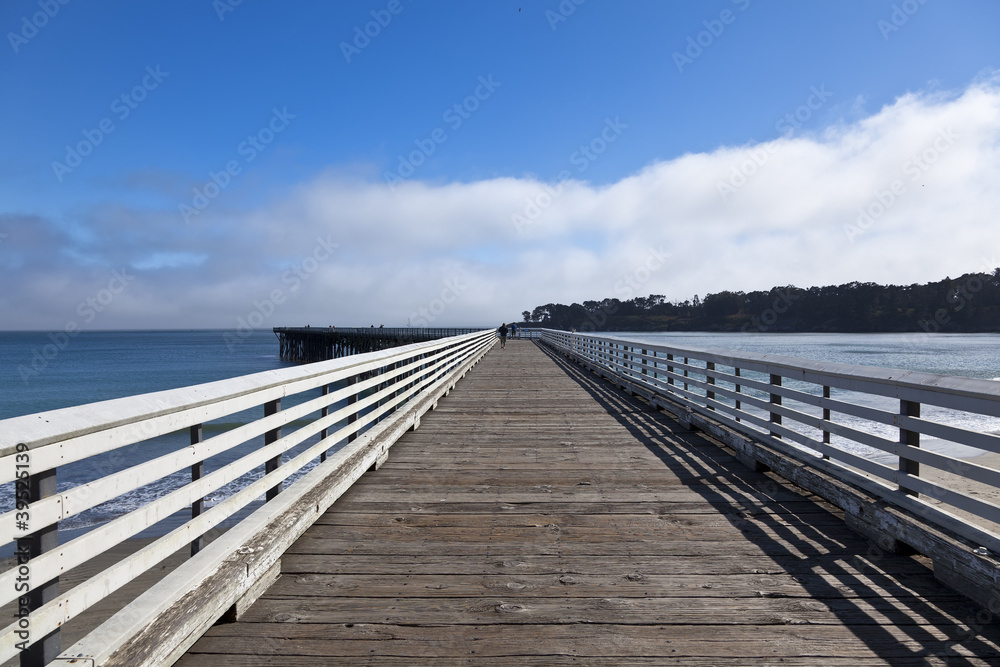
[(308, 344)]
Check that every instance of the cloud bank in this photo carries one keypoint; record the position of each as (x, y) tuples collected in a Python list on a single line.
[(907, 194)]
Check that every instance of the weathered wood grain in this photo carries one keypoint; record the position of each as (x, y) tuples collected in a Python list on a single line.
[(613, 584), (216, 660), (701, 645), (515, 609), (858, 565), (539, 516)]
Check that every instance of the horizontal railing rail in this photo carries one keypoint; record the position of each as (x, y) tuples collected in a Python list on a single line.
[(860, 424), (427, 332), (328, 406), (528, 333)]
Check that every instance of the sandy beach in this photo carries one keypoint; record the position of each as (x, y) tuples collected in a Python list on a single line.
[(957, 482), (978, 490)]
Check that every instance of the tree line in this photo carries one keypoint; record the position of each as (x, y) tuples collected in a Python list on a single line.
[(967, 304)]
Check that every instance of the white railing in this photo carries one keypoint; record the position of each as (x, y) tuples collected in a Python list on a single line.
[(860, 424), (355, 406)]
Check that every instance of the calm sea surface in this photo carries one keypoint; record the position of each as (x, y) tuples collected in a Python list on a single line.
[(39, 372)]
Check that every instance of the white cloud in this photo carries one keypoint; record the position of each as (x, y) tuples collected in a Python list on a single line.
[(793, 215)]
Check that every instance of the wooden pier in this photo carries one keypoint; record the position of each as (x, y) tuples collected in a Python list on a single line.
[(571, 499), (541, 516), (310, 344)]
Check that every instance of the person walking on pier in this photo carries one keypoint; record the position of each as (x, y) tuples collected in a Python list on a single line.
[(513, 330), (503, 335)]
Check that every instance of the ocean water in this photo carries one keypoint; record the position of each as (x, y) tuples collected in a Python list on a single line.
[(40, 372)]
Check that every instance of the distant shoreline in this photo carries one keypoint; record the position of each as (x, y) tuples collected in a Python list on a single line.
[(536, 325), (967, 304)]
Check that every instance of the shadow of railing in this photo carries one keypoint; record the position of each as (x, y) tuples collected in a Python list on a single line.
[(835, 566)]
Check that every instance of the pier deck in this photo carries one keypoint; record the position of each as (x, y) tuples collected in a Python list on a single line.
[(541, 516)]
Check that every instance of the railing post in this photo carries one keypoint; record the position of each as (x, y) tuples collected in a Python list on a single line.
[(670, 368), (739, 390), (351, 399), (323, 413), (826, 418), (394, 382), (709, 395), (270, 408), (775, 400), (911, 438), (385, 384), (46, 649), (409, 373), (685, 373), (197, 472), (645, 368), (379, 387), (401, 383)]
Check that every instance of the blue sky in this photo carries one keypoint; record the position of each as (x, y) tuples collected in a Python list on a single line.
[(465, 161)]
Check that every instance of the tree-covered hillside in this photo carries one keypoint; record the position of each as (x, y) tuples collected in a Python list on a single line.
[(970, 303)]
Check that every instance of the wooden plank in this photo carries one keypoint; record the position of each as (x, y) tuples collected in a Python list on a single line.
[(609, 584), (547, 534), (218, 660), (813, 645), (346, 505), (571, 519), (532, 610), (857, 565)]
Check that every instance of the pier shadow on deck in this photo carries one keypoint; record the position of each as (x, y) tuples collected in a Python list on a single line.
[(541, 516), (900, 591)]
